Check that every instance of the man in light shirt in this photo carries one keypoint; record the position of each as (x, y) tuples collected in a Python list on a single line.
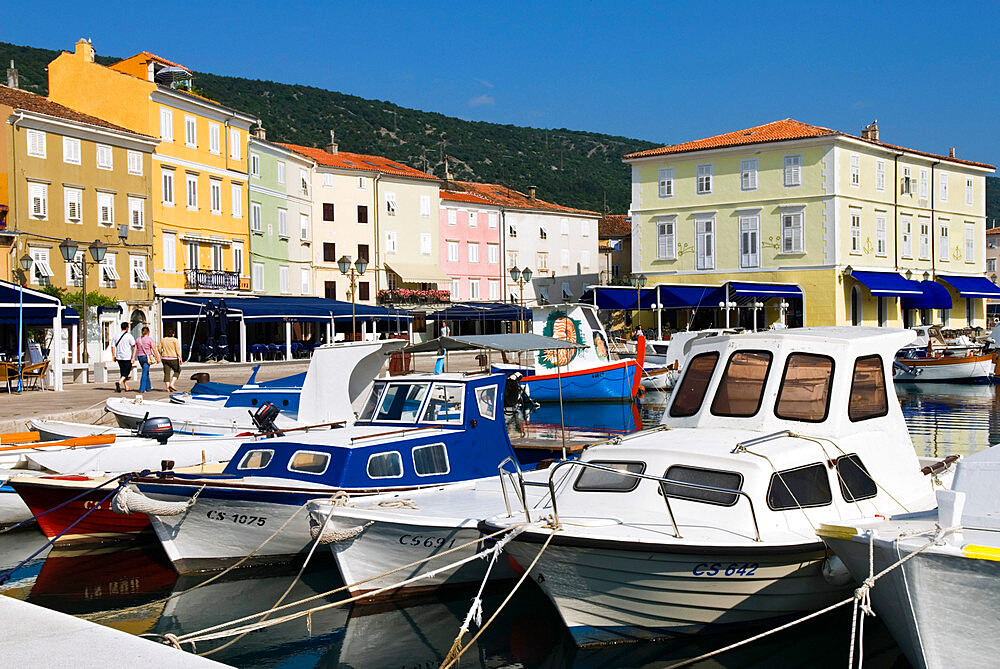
[(124, 353)]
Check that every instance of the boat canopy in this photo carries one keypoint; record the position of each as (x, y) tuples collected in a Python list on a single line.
[(888, 284), (277, 309), (507, 343), (972, 286), (934, 296), (38, 308), (481, 311)]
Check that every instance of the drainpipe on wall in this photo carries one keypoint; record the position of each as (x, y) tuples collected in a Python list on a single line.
[(934, 222), (375, 244), (503, 252), (12, 212)]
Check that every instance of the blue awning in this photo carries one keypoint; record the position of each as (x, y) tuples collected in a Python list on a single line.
[(617, 297), (679, 296), (934, 296), (888, 284), (481, 311), (764, 290), (671, 296), (277, 309), (973, 286), (31, 307)]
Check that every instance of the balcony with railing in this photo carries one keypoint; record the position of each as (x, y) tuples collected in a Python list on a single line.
[(209, 279)]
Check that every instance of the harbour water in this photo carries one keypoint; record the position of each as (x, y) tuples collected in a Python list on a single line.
[(134, 588)]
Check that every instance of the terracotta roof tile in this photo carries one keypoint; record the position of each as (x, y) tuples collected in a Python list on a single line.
[(357, 161), (460, 196), (18, 99), (508, 197), (614, 225)]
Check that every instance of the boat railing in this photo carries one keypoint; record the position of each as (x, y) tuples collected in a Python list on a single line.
[(659, 479)]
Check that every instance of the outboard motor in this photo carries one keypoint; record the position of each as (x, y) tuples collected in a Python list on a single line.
[(159, 428), (514, 394), (265, 416)]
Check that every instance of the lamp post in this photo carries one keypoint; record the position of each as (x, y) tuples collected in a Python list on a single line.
[(97, 248), (352, 272), (26, 266), (521, 277), (638, 280)]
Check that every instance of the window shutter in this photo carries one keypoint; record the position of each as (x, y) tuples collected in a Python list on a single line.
[(661, 241)]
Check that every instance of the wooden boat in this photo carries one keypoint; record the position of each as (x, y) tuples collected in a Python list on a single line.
[(975, 368)]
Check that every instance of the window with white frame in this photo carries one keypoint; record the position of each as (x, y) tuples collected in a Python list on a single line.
[(214, 138), (704, 174), (666, 239), (257, 276), (970, 311), (41, 271), (280, 175), (306, 281), (880, 175), (328, 181), (105, 157), (390, 242), (924, 246), (494, 288), (192, 191), (234, 144), (943, 186), (665, 182), (512, 230), (106, 209), (282, 222), (792, 232), (256, 223), (425, 207), (362, 183), (136, 213), (748, 173), (73, 199), (512, 259), (585, 228), (704, 243), (564, 257), (970, 242), (216, 251), (303, 226), (856, 231), (493, 217), (924, 183), (969, 191), (906, 244), (542, 232), (585, 259), (473, 252), (134, 162), (944, 250), (456, 289), (906, 183), (238, 258), (36, 143), (169, 252), (749, 241), (473, 219), (190, 132), (38, 197), (74, 270), (166, 124), (473, 289), (283, 279), (493, 254), (71, 150), (254, 165), (855, 170), (138, 276), (564, 226), (881, 244), (167, 176), (303, 182), (215, 195), (425, 243), (452, 216), (109, 271), (452, 247), (237, 195), (390, 203), (792, 165)]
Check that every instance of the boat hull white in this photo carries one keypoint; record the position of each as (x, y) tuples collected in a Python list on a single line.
[(970, 369)]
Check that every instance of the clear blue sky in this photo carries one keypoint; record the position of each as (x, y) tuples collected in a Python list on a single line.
[(666, 72)]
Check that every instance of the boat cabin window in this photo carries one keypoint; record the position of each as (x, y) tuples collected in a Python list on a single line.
[(799, 488), (592, 321), (401, 402), (741, 389), (805, 388), (445, 404), (369, 409), (385, 465), (430, 460), (256, 459), (689, 395), (868, 397), (309, 462), (598, 480), (702, 477), (486, 399), (855, 481)]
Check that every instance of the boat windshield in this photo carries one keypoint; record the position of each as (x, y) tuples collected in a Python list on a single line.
[(401, 402), (445, 404), (369, 409)]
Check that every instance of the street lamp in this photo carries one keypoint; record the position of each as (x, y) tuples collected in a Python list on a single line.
[(26, 266), (353, 272), (68, 249), (638, 280), (521, 277)]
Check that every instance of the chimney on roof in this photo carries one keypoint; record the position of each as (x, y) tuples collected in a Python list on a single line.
[(871, 131), (85, 50), (12, 75), (531, 192), (332, 146), (259, 132), (951, 152)]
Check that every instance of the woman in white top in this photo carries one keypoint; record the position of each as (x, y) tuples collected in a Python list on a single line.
[(124, 351)]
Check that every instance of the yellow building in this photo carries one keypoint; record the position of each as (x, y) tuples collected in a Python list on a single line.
[(199, 169), (865, 232)]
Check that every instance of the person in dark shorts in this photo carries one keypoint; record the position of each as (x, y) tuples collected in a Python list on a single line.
[(124, 352), (170, 356)]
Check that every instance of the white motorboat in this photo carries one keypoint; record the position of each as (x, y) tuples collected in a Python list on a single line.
[(931, 358), (709, 521), (940, 605)]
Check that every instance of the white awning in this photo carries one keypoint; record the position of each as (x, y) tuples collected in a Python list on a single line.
[(140, 274), (42, 267), (110, 273), (419, 273)]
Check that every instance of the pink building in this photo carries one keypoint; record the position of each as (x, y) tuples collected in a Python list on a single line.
[(470, 247)]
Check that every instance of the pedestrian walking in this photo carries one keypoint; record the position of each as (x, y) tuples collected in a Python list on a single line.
[(170, 356), (124, 351), (145, 353)]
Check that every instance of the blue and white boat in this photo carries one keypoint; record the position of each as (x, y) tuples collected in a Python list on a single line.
[(413, 432), (283, 392)]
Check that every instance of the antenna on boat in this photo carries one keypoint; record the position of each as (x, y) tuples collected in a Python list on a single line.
[(562, 418)]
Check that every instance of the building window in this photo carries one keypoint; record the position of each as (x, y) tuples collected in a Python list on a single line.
[(666, 239), (330, 290), (705, 243), (237, 200), (856, 231), (166, 124), (970, 242), (192, 191), (880, 235), (234, 144), (256, 224), (793, 170), (328, 211), (943, 186), (303, 227), (991, 264), (282, 222), (748, 173), (452, 217), (257, 270), (38, 196), (585, 259), (425, 207), (362, 184), (136, 213), (138, 276), (564, 257), (190, 132), (473, 289), (541, 261), (238, 258), (254, 165), (665, 181), (880, 175), (564, 226), (906, 249), (306, 281), (134, 159), (924, 183), (283, 280), (494, 288), (906, 183), (329, 252), (168, 187), (363, 251), (364, 293), (425, 243), (109, 271), (214, 134), (73, 198), (970, 311), (390, 203), (390, 242), (749, 241), (944, 250), (215, 195), (925, 239), (280, 174), (456, 289), (362, 213), (493, 254), (71, 150), (882, 311), (968, 191), (169, 252), (542, 232), (74, 271), (493, 220), (452, 251), (36, 143), (704, 178), (855, 170), (327, 177), (473, 222), (512, 259), (41, 272), (106, 209), (512, 231), (105, 157), (193, 255), (946, 317), (792, 233)]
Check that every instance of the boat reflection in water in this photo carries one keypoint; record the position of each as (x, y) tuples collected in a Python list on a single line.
[(953, 418)]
